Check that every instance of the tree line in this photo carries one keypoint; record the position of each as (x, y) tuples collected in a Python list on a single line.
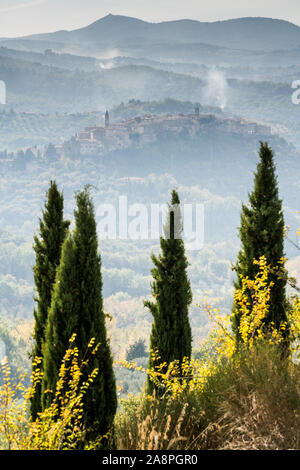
[(68, 283)]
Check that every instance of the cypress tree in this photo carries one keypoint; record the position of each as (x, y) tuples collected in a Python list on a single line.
[(47, 247), (171, 332), (262, 233), (77, 307)]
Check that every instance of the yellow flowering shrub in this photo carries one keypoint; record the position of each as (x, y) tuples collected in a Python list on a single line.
[(58, 427), (253, 312), (177, 378)]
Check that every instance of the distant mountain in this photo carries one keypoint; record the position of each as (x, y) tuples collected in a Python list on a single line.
[(242, 33)]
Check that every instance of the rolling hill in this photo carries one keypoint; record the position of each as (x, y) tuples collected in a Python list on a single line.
[(241, 33)]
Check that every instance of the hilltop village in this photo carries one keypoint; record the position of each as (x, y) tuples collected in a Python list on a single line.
[(95, 140)]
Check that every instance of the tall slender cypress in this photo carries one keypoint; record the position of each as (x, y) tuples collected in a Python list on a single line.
[(262, 233), (47, 247), (171, 332), (77, 307)]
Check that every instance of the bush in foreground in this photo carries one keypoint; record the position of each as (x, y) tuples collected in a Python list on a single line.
[(60, 426), (251, 401)]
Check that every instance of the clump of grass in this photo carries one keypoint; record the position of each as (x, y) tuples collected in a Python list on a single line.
[(150, 423), (257, 401)]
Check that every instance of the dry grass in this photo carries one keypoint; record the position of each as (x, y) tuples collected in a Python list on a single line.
[(152, 424), (260, 426)]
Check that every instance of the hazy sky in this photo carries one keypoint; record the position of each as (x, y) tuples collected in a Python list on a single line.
[(20, 17)]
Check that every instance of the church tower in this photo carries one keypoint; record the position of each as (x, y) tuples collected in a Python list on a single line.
[(106, 120)]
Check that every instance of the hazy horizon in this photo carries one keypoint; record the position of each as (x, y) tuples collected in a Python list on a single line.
[(26, 17)]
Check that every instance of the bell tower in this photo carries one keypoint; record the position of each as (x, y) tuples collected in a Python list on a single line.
[(106, 120)]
